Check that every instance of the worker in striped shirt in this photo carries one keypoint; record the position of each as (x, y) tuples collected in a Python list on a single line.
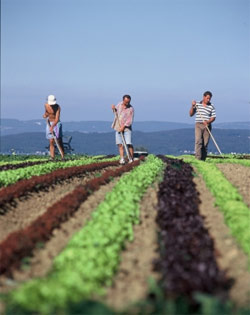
[(205, 115)]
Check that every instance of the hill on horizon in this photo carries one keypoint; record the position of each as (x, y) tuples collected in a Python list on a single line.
[(15, 126), (174, 142)]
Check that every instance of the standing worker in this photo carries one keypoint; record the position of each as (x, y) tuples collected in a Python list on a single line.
[(205, 115), (54, 126), (123, 126)]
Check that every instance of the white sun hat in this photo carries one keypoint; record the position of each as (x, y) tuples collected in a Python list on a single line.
[(51, 100)]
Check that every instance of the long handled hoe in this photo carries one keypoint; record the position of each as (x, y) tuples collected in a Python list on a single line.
[(196, 105), (56, 141)]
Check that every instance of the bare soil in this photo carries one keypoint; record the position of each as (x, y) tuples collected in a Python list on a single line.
[(26, 209), (41, 261), (229, 256), (239, 176), (131, 281)]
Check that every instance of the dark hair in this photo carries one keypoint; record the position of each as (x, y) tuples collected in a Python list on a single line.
[(126, 96), (208, 93), (54, 108)]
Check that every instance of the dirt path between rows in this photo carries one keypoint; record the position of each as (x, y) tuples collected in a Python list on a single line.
[(41, 261), (239, 176), (229, 256), (131, 282), (28, 208)]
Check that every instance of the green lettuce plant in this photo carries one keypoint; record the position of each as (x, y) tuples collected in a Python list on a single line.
[(90, 260), (12, 176), (229, 201)]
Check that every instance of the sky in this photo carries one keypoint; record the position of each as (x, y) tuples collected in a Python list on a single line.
[(89, 53)]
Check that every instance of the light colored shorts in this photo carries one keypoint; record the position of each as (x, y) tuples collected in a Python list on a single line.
[(127, 135), (57, 130)]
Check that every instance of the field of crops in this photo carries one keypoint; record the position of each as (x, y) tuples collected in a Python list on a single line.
[(161, 235)]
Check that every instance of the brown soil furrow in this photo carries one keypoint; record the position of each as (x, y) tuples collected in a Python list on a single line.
[(36, 183), (136, 267), (41, 261), (10, 166), (229, 256), (20, 244), (26, 209), (239, 176)]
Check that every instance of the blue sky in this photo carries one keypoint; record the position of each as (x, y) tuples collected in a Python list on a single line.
[(91, 52)]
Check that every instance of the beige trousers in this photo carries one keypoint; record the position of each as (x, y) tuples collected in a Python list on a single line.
[(201, 141)]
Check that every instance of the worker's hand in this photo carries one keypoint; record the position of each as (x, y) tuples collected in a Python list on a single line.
[(193, 104), (206, 123), (113, 107), (51, 129), (122, 129), (44, 116)]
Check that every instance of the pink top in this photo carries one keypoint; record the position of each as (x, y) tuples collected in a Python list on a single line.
[(125, 114)]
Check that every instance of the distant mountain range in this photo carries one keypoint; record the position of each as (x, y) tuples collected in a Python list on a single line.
[(14, 126), (174, 142)]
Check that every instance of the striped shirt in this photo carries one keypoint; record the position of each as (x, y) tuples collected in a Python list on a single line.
[(206, 112)]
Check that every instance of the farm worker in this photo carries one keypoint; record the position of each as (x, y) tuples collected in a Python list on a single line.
[(52, 112), (125, 113), (205, 115)]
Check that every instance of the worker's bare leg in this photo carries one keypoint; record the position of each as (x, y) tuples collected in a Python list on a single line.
[(131, 150), (52, 148), (121, 150)]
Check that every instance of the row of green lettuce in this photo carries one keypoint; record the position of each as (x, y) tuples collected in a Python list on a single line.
[(12, 176), (21, 158), (91, 258), (225, 159), (229, 201), (5, 160), (2, 163)]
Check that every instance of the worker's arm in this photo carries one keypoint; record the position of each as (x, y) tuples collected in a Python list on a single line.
[(46, 114), (208, 122), (192, 110)]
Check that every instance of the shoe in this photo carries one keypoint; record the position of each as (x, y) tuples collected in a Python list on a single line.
[(131, 161), (122, 161)]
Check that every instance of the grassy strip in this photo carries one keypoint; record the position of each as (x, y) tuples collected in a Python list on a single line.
[(20, 244), (12, 176), (3, 163), (25, 158), (46, 159), (227, 198), (231, 156), (91, 258), (8, 166), (215, 160), (234, 161), (20, 158)]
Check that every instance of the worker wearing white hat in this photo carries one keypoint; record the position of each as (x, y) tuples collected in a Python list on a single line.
[(54, 126)]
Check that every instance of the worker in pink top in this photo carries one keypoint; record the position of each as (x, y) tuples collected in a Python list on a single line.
[(125, 112)]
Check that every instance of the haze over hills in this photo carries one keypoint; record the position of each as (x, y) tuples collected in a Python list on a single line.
[(14, 126), (174, 142)]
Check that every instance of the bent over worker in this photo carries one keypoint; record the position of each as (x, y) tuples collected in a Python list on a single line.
[(205, 115), (125, 114), (54, 126)]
